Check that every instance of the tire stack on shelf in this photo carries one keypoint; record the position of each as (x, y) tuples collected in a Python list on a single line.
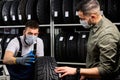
[(60, 46), (58, 17), (113, 10), (46, 40), (6, 12), (75, 14), (17, 12), (14, 12), (65, 10), (71, 47), (1, 6), (82, 46), (43, 11)]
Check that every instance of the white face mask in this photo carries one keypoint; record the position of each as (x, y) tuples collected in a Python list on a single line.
[(30, 39), (85, 24)]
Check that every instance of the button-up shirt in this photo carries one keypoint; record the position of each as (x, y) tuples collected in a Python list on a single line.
[(102, 47)]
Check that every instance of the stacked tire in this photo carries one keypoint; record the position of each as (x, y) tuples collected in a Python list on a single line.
[(1, 6), (17, 12), (65, 11), (46, 40), (71, 47)]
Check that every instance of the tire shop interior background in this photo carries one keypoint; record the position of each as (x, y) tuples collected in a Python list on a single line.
[(63, 36)]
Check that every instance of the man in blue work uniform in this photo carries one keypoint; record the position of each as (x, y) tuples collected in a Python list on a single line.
[(21, 52)]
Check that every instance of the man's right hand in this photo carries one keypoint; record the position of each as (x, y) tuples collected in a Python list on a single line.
[(26, 60)]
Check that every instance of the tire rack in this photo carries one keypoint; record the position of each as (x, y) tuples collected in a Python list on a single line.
[(52, 31), (52, 26), (73, 25)]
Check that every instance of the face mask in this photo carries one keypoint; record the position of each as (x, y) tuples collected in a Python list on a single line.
[(30, 39), (85, 24)]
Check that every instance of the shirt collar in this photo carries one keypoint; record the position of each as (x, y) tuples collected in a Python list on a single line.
[(97, 26)]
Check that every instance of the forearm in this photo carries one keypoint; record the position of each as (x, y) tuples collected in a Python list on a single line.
[(11, 60), (90, 73)]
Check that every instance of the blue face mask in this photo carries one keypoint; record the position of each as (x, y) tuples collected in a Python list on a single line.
[(30, 39)]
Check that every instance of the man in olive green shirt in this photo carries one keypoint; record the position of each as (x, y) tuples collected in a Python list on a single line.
[(102, 56)]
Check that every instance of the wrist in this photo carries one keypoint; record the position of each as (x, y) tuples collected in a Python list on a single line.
[(14, 61), (78, 72), (18, 60)]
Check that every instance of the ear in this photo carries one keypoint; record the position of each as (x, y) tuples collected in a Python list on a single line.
[(93, 16)]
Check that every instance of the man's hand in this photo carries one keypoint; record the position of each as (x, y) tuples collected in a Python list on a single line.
[(27, 60), (65, 71)]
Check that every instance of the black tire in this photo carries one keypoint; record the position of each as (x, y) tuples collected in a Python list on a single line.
[(21, 11), (1, 6), (82, 46), (46, 40), (44, 68), (14, 12), (6, 12), (43, 11), (31, 13), (118, 4), (72, 39), (103, 6), (75, 15), (47, 10), (68, 11), (60, 47), (112, 10), (58, 14)]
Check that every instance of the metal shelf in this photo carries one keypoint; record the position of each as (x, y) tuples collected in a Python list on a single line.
[(67, 25), (75, 24), (59, 25), (117, 23), (72, 63), (17, 26)]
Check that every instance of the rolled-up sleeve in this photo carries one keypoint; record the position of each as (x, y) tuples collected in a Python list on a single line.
[(108, 53)]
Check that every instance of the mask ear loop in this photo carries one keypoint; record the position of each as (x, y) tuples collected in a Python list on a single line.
[(25, 40)]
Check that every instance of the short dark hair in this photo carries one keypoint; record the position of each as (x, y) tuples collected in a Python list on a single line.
[(88, 6), (32, 24)]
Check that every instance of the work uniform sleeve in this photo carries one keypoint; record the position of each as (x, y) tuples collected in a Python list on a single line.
[(13, 45), (108, 54)]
